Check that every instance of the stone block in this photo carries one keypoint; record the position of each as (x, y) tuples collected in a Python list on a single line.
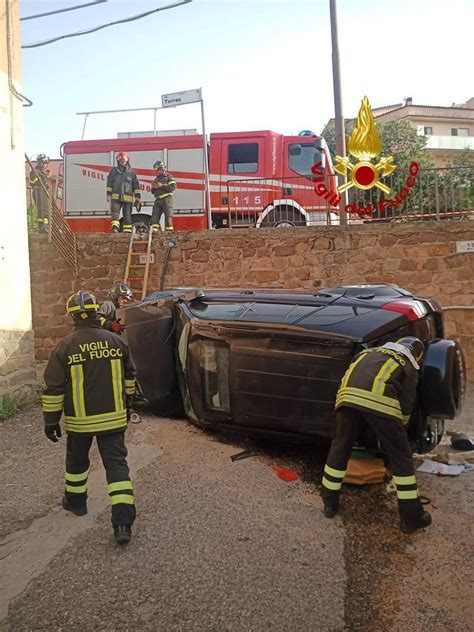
[(199, 255), (265, 276), (407, 265), (296, 261), (189, 245), (284, 250), (434, 250)]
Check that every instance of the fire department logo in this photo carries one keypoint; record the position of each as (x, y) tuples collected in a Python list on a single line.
[(365, 144)]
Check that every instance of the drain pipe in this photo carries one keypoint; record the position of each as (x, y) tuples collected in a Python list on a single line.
[(453, 307), (171, 245)]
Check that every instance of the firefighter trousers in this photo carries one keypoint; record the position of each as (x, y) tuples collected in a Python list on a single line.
[(160, 207), (114, 457), (41, 201), (126, 207), (394, 441)]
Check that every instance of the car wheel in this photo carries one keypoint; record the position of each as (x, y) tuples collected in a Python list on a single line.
[(141, 218), (443, 379), (284, 217)]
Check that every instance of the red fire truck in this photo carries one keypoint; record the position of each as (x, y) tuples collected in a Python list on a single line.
[(256, 179)]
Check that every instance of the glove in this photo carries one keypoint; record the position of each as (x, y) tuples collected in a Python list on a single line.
[(138, 205), (117, 326), (109, 198), (53, 432)]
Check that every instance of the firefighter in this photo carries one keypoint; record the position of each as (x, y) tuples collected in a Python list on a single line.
[(379, 390), (119, 296), (91, 377), (122, 186), (162, 187), (39, 178)]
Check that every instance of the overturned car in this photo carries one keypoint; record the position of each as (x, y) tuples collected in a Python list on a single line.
[(271, 360)]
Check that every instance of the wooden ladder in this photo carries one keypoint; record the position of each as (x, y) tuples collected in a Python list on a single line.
[(135, 258)]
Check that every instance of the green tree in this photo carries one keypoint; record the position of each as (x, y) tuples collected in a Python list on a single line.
[(399, 139), (457, 182)]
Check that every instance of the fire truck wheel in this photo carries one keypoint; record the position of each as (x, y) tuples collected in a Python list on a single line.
[(284, 217)]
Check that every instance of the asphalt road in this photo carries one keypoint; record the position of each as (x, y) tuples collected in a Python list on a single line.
[(222, 545)]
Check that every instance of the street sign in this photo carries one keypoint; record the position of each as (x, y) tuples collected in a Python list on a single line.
[(180, 98), (465, 246)]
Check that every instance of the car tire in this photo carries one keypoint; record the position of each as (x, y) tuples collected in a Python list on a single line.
[(283, 217), (443, 379), (141, 218)]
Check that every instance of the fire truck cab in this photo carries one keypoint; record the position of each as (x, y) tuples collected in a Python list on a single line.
[(257, 179)]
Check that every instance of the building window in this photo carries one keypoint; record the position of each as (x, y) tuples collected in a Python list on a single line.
[(459, 131), (242, 158), (428, 131)]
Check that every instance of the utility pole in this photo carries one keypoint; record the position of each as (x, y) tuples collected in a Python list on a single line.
[(339, 117)]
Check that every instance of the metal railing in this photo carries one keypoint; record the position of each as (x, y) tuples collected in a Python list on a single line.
[(277, 202), (435, 194), (59, 232)]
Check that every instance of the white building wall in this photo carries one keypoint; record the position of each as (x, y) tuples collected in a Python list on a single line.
[(16, 337)]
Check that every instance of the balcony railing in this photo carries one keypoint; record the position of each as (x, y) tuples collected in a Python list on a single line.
[(457, 143)]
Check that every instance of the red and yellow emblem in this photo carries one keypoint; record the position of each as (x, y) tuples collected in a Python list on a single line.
[(364, 144)]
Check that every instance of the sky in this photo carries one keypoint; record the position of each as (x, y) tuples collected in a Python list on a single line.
[(262, 64)]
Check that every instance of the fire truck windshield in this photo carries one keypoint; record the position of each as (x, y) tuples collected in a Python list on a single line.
[(302, 156)]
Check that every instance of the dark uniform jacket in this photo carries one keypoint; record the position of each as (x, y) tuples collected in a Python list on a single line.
[(107, 314), (88, 376), (123, 184), (380, 381), (167, 190), (37, 176)]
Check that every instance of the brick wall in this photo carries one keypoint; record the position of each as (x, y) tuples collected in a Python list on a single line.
[(420, 257)]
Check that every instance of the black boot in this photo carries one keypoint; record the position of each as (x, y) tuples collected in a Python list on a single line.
[(412, 516), (81, 510), (122, 533), (331, 504)]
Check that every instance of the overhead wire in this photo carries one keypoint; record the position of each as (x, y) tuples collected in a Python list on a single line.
[(77, 6), (13, 91), (104, 26)]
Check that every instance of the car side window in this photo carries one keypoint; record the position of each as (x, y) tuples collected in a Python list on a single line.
[(215, 375)]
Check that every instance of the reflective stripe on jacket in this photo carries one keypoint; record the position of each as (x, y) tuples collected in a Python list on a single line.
[(107, 314), (123, 185), (169, 185), (381, 381), (88, 377)]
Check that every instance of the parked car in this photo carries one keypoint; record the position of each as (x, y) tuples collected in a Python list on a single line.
[(270, 361)]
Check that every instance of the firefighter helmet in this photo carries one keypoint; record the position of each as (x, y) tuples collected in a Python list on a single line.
[(42, 158), (123, 157), (82, 304), (414, 345), (120, 290), (159, 165)]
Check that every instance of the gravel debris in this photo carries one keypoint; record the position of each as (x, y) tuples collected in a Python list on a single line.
[(221, 545)]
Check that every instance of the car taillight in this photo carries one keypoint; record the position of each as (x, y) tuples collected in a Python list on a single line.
[(412, 309)]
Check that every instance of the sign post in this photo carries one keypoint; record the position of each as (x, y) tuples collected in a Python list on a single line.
[(182, 98)]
